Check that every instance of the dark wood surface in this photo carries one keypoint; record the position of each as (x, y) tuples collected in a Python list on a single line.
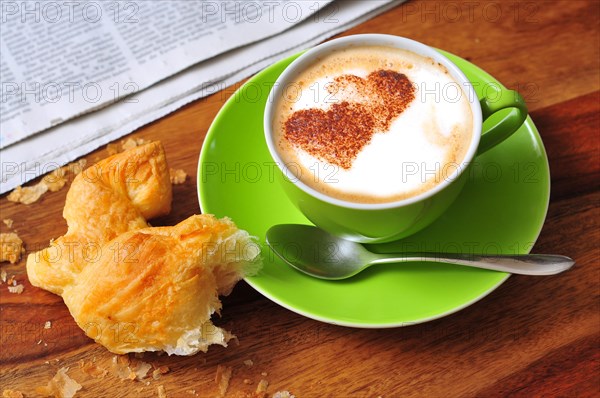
[(530, 337)]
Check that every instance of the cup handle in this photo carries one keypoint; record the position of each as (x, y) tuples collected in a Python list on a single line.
[(508, 125)]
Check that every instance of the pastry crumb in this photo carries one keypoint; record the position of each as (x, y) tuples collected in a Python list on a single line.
[(122, 359), (3, 276), (28, 195), (261, 388), (120, 366), (284, 394), (177, 176), (222, 378), (61, 385), (8, 393), (127, 144), (124, 368), (159, 370), (248, 362), (18, 289), (76, 167), (162, 393), (140, 370), (56, 179), (47, 325), (53, 181), (112, 149), (131, 143), (11, 247), (92, 370), (8, 222), (264, 374), (248, 381)]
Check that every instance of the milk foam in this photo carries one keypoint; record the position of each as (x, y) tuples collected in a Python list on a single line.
[(421, 147)]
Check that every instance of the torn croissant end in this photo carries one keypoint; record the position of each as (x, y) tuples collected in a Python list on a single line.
[(136, 288)]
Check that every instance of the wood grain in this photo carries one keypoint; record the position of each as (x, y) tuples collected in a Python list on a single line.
[(531, 337)]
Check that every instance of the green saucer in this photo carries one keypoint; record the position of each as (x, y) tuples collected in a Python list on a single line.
[(501, 210)]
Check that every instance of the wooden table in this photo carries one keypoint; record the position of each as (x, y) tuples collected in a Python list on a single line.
[(530, 337)]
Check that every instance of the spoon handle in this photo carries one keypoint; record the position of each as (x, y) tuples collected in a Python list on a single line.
[(526, 264)]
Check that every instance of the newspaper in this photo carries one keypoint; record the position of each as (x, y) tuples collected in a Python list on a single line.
[(87, 83)]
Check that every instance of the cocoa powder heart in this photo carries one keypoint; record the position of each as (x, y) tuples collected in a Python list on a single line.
[(367, 106)]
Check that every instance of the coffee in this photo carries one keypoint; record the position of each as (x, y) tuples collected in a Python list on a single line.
[(373, 124)]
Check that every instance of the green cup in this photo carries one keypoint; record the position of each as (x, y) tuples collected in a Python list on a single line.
[(386, 222)]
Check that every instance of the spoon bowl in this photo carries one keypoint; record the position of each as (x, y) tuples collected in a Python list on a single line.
[(322, 255)]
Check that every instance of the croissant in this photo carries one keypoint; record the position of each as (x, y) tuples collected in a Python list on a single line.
[(142, 288), (113, 196)]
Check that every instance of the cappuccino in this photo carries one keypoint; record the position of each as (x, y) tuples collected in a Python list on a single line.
[(373, 124)]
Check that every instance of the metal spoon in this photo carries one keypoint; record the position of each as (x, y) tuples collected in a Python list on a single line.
[(319, 254)]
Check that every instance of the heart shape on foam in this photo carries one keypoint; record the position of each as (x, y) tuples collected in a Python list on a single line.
[(363, 108)]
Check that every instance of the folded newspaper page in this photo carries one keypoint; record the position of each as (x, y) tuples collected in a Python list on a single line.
[(53, 113)]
